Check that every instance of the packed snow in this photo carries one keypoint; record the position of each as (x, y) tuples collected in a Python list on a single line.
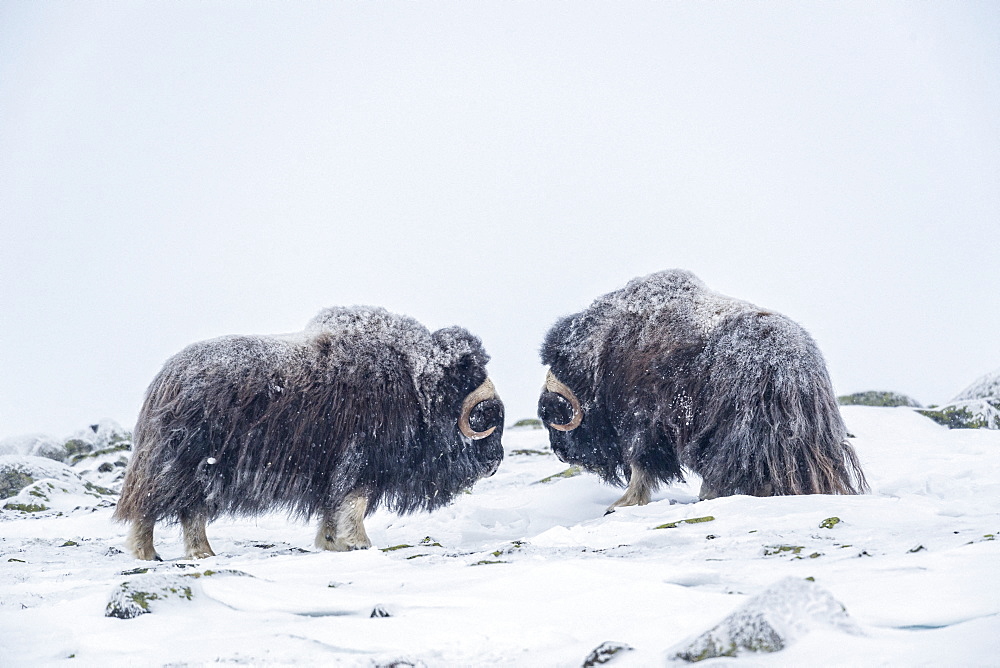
[(521, 572)]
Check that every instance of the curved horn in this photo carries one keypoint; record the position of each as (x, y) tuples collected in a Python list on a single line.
[(553, 384), (478, 395)]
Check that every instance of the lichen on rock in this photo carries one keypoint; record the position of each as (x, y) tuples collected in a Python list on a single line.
[(970, 414), (17, 472), (877, 398), (36, 484), (142, 594), (975, 407), (571, 472), (692, 520)]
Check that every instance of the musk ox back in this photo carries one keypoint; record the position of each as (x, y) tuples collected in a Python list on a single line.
[(362, 408), (665, 374)]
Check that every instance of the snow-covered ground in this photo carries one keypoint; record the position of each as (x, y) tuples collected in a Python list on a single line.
[(529, 573)]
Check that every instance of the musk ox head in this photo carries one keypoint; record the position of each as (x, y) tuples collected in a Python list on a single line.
[(665, 374)]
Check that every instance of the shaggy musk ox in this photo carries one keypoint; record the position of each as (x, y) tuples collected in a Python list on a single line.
[(363, 407), (665, 373)]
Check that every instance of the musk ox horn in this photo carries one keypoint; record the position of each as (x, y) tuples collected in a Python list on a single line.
[(553, 384), (477, 396)]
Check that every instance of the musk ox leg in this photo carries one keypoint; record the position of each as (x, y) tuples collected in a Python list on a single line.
[(342, 528), (706, 493), (140, 540), (640, 489), (195, 540)]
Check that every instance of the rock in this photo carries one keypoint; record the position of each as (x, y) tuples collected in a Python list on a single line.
[(144, 593), (970, 414), (984, 387), (19, 471), (36, 445), (35, 484), (571, 472), (877, 398), (380, 611), (769, 622), (975, 407), (97, 439), (605, 653)]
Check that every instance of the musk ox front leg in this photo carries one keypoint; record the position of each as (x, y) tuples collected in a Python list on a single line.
[(639, 491), (195, 540), (140, 540), (342, 528)]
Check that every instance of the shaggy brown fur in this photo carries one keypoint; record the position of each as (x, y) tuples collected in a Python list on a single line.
[(359, 409), (669, 374)]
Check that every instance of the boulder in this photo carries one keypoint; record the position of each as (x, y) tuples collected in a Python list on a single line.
[(146, 592), (975, 407), (36, 484), (769, 622)]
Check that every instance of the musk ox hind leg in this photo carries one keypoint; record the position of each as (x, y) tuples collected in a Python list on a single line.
[(640, 489), (140, 539), (195, 540), (342, 528)]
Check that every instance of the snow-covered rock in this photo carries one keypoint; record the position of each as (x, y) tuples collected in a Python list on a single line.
[(605, 653), (20, 471), (104, 437), (142, 593), (38, 445), (769, 622), (36, 485), (984, 387), (95, 440), (975, 407)]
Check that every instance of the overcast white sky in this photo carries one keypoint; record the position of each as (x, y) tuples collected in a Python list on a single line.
[(171, 172)]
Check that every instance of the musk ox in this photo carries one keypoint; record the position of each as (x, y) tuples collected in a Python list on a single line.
[(362, 407), (665, 374)]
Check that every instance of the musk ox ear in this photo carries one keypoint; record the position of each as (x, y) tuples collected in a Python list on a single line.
[(461, 351), (556, 340), (459, 361)]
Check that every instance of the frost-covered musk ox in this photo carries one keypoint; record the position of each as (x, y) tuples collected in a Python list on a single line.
[(665, 373), (363, 407)]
